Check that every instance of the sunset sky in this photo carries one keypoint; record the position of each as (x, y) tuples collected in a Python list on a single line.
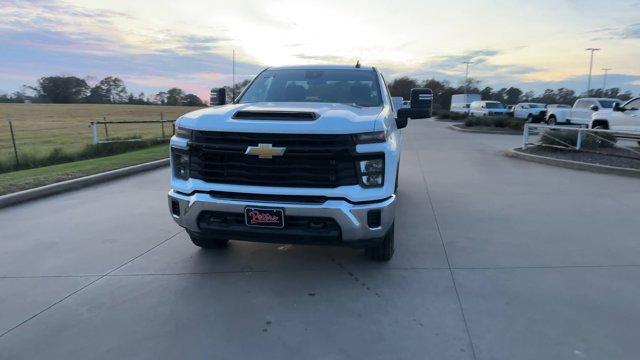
[(154, 45)]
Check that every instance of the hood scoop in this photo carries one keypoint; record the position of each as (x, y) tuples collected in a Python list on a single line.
[(275, 115)]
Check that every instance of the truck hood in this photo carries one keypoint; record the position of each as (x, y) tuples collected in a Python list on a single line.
[(330, 118)]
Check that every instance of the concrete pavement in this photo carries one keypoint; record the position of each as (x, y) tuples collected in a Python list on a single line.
[(496, 259)]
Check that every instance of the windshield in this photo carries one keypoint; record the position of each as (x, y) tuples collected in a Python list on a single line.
[(607, 104), (536, 106), (494, 105), (354, 87)]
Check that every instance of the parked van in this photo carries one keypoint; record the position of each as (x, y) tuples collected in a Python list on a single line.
[(460, 103), (487, 108)]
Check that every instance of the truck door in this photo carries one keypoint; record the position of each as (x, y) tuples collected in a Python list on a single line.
[(581, 112), (629, 119)]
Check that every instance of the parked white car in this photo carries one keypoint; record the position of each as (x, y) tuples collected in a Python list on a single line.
[(533, 112), (624, 117), (487, 108), (581, 111), (460, 103)]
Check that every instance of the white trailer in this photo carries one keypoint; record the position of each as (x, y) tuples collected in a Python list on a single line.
[(460, 103)]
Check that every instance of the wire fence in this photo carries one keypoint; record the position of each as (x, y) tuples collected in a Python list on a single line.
[(25, 142), (615, 143)]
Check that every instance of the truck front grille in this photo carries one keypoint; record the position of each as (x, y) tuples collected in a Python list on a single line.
[(308, 161)]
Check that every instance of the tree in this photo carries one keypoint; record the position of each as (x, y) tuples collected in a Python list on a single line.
[(442, 93), (565, 96), (471, 85), (238, 87), (62, 89), (512, 95), (487, 93), (110, 90), (174, 96), (160, 98), (402, 87), (192, 100)]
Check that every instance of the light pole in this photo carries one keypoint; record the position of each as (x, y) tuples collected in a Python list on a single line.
[(604, 83), (590, 69), (466, 76)]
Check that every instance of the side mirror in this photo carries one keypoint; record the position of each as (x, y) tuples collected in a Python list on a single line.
[(594, 108), (402, 119), (617, 107), (218, 96)]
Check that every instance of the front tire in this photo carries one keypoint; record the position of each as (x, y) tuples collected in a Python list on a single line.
[(383, 251), (207, 242), (530, 118)]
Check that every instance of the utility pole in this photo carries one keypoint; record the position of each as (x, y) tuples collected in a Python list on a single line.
[(233, 76), (466, 76), (604, 83), (590, 68)]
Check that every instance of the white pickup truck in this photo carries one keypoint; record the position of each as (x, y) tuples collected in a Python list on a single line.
[(581, 111), (533, 112), (306, 154), (624, 117)]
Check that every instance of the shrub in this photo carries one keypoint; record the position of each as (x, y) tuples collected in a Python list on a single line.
[(589, 141), (515, 124), (497, 122), (448, 115), (457, 116)]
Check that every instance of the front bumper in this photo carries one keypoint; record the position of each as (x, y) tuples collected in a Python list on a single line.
[(351, 218)]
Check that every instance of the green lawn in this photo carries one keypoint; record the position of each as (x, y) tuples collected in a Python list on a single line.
[(27, 179), (41, 128)]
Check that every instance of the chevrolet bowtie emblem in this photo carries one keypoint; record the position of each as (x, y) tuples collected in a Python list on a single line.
[(265, 151)]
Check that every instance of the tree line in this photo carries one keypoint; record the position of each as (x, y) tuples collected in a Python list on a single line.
[(110, 90), (442, 92)]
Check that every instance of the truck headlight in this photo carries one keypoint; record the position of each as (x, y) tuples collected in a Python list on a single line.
[(371, 172), (180, 163), (183, 133), (371, 137)]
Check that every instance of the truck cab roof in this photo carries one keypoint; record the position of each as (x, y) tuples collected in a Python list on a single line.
[(322, 67)]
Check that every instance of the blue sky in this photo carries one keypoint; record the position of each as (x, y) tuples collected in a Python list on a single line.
[(160, 44)]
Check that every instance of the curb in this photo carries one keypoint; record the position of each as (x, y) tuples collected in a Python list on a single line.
[(575, 165), (73, 184), (456, 127), (448, 120)]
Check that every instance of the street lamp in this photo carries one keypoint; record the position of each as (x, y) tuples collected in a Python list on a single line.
[(590, 69), (604, 83), (466, 76)]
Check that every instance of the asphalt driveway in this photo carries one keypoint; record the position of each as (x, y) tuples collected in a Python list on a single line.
[(496, 259)]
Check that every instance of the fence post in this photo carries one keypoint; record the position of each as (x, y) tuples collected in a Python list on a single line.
[(13, 140), (162, 123), (94, 130), (525, 136), (579, 140), (106, 131)]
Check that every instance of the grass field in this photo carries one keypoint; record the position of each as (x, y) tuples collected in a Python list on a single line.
[(40, 128), (27, 179)]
